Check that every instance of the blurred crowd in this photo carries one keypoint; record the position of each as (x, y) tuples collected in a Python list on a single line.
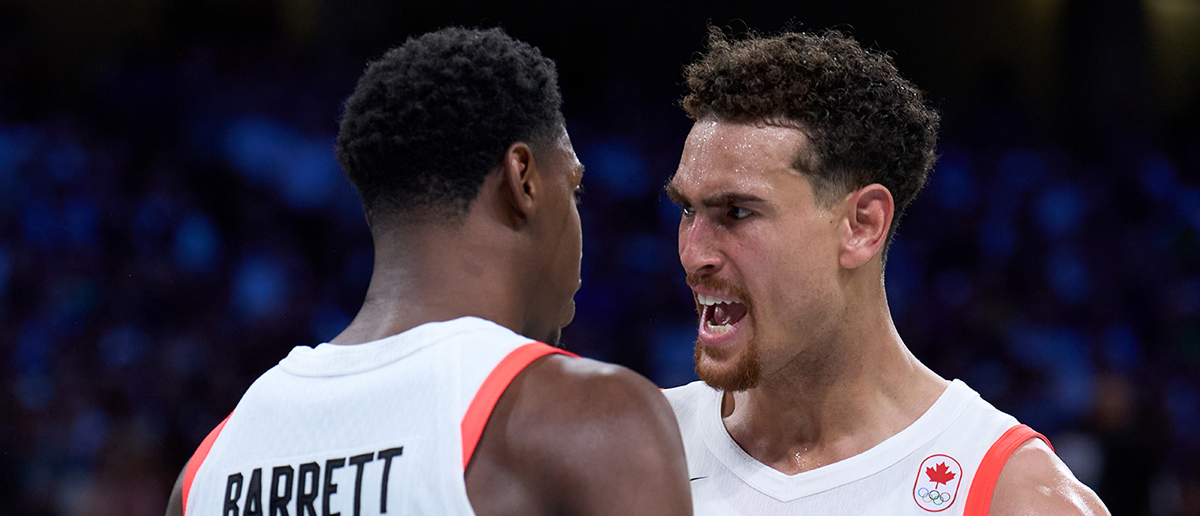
[(165, 245)]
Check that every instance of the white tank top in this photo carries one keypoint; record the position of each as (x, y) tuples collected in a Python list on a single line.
[(385, 427), (946, 462)]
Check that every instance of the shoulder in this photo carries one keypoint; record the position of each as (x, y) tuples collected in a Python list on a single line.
[(688, 394), (560, 392), (687, 401), (1034, 481), (579, 435)]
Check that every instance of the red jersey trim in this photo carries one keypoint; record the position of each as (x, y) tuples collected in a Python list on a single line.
[(979, 498), (489, 393), (193, 465)]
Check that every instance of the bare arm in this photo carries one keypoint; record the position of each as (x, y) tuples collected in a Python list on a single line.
[(175, 503), (1035, 482), (578, 437)]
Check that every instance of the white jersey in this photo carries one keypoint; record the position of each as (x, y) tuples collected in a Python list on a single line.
[(946, 462), (385, 427)]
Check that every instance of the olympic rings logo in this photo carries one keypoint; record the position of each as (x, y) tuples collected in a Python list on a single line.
[(933, 496)]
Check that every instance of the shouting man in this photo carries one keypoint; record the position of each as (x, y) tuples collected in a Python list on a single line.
[(806, 149)]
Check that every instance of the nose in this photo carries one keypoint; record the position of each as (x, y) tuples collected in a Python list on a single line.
[(699, 249)]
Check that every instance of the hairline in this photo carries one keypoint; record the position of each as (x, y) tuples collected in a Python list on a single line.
[(541, 140), (806, 159)]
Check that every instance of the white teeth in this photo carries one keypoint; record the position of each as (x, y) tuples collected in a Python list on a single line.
[(712, 300), (717, 329)]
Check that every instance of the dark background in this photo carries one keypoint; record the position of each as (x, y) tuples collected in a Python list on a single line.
[(172, 220)]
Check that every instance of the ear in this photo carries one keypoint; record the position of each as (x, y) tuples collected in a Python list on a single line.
[(520, 183), (870, 211)]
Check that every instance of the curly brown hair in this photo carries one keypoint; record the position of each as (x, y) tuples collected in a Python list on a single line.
[(865, 122)]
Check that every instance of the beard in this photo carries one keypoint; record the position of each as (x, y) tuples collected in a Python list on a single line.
[(745, 373), (747, 368)]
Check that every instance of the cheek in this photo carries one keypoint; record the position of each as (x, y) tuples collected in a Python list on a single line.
[(783, 279), (577, 239), (570, 259)]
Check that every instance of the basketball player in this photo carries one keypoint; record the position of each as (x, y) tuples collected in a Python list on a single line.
[(805, 151), (436, 399)]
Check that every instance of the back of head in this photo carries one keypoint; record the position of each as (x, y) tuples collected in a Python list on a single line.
[(432, 117), (866, 124)]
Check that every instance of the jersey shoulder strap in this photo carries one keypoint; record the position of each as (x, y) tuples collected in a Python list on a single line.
[(979, 498), (493, 386), (193, 465)]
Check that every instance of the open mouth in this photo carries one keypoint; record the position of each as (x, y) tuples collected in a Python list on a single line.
[(719, 315)]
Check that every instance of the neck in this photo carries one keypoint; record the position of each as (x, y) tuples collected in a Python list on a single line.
[(431, 273), (849, 394)]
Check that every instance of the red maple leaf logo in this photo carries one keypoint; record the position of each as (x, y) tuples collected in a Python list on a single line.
[(940, 475)]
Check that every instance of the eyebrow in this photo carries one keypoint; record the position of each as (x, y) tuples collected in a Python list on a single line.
[(730, 198), (719, 199), (673, 193)]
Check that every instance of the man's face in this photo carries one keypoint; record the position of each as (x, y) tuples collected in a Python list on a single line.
[(562, 243), (760, 254)]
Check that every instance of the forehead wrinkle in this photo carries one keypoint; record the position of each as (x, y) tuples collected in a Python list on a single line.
[(721, 187), (745, 147), (728, 162)]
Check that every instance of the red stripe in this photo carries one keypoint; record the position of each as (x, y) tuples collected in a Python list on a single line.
[(489, 393), (193, 465), (979, 498)]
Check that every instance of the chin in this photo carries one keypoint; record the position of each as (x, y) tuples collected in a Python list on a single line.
[(568, 313), (737, 373)]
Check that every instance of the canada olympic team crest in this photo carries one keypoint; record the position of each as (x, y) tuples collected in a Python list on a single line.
[(936, 487)]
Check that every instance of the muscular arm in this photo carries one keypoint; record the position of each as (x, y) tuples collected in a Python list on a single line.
[(578, 437), (1035, 482)]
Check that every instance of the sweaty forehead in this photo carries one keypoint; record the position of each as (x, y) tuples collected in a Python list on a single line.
[(728, 155), (566, 151)]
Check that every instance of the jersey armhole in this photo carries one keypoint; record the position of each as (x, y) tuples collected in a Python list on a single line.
[(197, 459), (493, 387), (979, 498)]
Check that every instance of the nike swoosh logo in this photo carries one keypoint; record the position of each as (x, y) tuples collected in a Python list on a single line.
[(696, 478)]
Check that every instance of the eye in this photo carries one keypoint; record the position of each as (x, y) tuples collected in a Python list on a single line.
[(579, 193), (688, 211), (737, 213)]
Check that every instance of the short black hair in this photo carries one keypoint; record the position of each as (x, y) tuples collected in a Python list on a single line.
[(431, 118), (865, 122)]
